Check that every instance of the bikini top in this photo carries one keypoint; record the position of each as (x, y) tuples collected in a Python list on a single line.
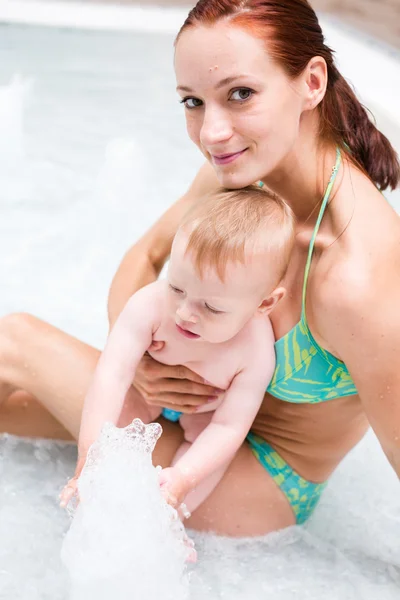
[(305, 372)]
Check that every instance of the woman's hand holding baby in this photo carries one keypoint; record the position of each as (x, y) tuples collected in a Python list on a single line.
[(174, 387)]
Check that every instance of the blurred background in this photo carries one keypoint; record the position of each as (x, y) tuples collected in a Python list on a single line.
[(380, 18)]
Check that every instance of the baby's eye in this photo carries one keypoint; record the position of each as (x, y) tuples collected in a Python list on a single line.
[(175, 289), (241, 94), (191, 103), (213, 310)]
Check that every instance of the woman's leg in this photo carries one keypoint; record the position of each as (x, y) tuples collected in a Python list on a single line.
[(57, 369), (204, 489), (21, 414), (48, 364), (54, 368), (239, 499), (246, 502)]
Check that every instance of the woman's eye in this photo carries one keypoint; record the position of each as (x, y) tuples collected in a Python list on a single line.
[(191, 102), (241, 94), (213, 310), (175, 289)]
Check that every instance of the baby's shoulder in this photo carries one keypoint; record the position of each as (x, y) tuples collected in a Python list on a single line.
[(260, 328), (256, 347), (148, 300), (257, 334), (153, 292)]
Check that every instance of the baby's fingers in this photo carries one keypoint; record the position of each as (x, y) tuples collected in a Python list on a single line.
[(67, 494), (168, 497)]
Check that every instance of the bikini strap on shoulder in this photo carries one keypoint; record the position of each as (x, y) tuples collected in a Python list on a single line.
[(325, 201)]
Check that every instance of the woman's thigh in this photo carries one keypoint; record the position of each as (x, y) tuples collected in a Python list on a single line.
[(246, 502), (21, 414), (51, 372), (49, 365)]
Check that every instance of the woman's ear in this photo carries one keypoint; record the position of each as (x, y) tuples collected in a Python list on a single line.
[(268, 304), (315, 80)]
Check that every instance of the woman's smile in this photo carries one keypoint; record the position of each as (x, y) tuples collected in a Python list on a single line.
[(224, 159)]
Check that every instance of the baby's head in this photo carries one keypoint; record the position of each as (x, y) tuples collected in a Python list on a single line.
[(227, 261)]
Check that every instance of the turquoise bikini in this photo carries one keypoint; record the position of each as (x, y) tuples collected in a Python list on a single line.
[(304, 373)]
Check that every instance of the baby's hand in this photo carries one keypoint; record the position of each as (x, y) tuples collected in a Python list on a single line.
[(70, 491), (173, 486), (191, 556)]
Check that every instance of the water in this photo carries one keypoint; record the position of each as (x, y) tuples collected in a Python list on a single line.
[(123, 532), (93, 149)]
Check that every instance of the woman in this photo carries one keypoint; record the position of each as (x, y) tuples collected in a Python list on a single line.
[(264, 101)]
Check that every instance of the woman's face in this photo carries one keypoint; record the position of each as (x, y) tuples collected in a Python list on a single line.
[(242, 110)]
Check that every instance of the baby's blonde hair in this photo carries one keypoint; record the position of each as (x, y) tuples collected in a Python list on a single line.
[(233, 225)]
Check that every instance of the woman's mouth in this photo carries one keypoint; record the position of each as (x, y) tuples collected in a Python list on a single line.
[(224, 159), (186, 332)]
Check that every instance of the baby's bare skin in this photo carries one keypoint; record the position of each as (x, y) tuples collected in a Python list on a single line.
[(217, 328), (216, 363)]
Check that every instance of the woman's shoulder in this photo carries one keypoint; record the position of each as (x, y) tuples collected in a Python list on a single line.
[(366, 236), (362, 261)]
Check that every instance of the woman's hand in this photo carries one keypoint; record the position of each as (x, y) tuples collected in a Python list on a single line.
[(173, 387)]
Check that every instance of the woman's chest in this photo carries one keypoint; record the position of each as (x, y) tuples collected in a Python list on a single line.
[(287, 313), (306, 283)]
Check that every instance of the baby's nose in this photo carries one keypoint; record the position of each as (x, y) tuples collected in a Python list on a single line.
[(186, 314)]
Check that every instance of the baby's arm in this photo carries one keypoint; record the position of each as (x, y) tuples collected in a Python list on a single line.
[(222, 438), (129, 339)]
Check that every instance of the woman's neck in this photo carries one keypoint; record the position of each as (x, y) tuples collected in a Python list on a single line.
[(302, 177)]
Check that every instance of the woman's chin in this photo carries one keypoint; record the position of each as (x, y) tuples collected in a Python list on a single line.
[(234, 180)]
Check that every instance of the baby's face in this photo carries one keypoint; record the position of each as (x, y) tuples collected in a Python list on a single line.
[(208, 309)]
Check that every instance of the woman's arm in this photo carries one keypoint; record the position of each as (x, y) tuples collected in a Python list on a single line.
[(143, 262), (362, 323)]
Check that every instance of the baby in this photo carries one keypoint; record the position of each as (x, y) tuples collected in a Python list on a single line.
[(227, 260)]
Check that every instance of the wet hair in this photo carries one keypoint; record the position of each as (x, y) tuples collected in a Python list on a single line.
[(293, 36), (233, 226)]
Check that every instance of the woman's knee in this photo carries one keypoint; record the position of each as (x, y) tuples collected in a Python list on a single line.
[(15, 325), (15, 331)]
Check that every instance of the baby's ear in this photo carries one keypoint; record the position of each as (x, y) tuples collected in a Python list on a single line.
[(268, 304)]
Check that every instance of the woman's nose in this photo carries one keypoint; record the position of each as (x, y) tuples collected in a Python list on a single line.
[(216, 128)]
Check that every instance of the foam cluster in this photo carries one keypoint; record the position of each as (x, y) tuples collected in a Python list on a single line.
[(124, 541)]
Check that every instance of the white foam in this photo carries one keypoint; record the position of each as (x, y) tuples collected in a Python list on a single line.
[(124, 541), (14, 98), (349, 550)]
